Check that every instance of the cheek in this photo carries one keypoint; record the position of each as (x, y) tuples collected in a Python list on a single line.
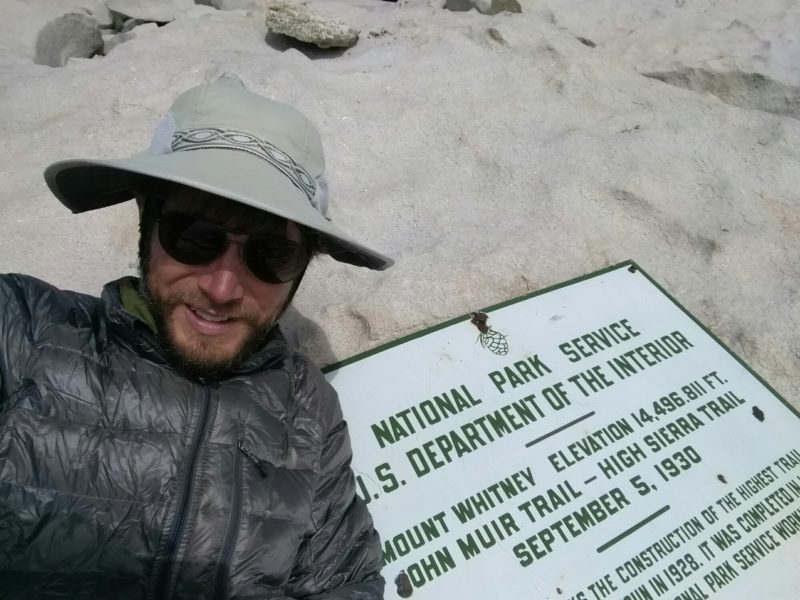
[(162, 269), (270, 298)]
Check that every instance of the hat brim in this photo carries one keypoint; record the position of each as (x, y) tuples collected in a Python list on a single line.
[(84, 185)]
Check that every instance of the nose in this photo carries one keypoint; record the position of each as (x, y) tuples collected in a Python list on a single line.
[(221, 280)]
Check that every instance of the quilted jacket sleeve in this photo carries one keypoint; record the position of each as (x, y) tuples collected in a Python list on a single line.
[(341, 560), (15, 322)]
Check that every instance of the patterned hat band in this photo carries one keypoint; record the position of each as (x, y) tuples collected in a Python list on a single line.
[(315, 189)]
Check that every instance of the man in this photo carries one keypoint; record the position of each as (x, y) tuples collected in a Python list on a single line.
[(163, 441)]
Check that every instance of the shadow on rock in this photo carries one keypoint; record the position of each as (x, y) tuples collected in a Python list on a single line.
[(281, 42), (306, 336), (745, 90)]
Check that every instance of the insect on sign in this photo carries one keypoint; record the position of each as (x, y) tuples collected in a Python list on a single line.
[(492, 340)]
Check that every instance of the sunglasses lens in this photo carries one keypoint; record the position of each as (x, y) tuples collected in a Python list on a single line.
[(275, 259), (195, 241), (189, 239)]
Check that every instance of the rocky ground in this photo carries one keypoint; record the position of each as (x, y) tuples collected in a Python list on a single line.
[(491, 155)]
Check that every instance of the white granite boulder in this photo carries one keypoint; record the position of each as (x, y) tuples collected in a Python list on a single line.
[(98, 10), (306, 26), (113, 40), (73, 35)]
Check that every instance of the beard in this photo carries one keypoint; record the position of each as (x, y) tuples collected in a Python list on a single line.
[(201, 356)]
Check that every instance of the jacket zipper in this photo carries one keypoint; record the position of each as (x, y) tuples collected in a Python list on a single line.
[(186, 496), (260, 464), (223, 566)]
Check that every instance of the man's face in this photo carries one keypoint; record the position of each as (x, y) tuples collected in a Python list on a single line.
[(212, 316)]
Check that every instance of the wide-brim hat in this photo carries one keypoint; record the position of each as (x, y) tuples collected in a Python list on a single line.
[(225, 140)]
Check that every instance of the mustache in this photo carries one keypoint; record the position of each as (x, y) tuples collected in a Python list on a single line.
[(170, 301)]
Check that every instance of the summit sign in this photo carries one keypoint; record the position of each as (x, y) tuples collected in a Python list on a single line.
[(591, 441)]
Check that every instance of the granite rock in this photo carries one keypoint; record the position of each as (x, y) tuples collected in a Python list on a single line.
[(98, 10), (131, 24), (306, 26), (112, 41), (485, 7), (233, 4), (159, 11), (198, 10), (73, 35)]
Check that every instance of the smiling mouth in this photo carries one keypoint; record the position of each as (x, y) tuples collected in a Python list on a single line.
[(209, 316)]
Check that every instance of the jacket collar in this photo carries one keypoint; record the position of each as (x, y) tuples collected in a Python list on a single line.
[(132, 328)]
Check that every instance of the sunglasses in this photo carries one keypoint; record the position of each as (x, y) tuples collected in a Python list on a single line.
[(195, 241)]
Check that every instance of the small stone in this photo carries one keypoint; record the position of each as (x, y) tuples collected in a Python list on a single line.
[(404, 587), (312, 28), (159, 11), (496, 36), (73, 35), (485, 7)]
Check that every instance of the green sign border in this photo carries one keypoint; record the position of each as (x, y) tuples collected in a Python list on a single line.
[(628, 264)]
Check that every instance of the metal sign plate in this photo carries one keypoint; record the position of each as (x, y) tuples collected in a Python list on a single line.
[(586, 442)]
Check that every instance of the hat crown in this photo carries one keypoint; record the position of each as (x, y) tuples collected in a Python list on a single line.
[(227, 105)]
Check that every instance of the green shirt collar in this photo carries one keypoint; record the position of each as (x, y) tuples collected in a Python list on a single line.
[(134, 303)]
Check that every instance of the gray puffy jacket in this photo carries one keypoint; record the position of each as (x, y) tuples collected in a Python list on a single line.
[(119, 478)]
